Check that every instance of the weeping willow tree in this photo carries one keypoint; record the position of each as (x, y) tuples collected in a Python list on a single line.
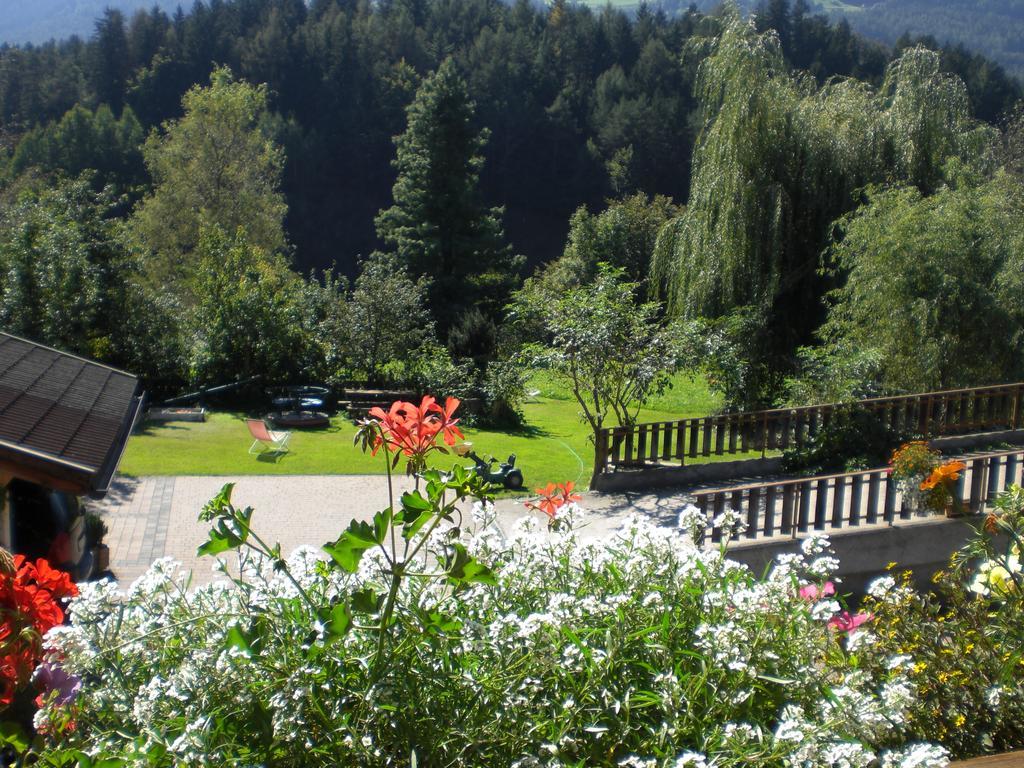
[(926, 121), (780, 159)]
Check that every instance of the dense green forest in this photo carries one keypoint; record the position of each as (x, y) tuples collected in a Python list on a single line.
[(357, 190), (565, 93)]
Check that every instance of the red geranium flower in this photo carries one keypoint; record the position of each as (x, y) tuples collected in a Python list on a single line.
[(553, 498), (29, 608), (412, 430)]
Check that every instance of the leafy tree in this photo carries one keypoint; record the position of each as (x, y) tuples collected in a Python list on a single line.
[(1010, 147), (62, 270), (623, 235), (729, 351), (778, 161), (325, 321), (929, 279), (387, 317), (438, 225), (609, 350), (247, 320), (214, 166)]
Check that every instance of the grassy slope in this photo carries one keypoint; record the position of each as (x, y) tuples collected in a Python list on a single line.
[(554, 446)]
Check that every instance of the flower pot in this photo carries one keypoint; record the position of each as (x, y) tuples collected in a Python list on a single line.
[(102, 558), (954, 509)]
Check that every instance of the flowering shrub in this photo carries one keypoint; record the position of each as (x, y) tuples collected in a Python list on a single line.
[(637, 650), (30, 607), (430, 636), (910, 464), (964, 646)]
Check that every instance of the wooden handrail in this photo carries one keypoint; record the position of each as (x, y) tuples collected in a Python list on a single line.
[(842, 475), (849, 499), (790, 481), (938, 412)]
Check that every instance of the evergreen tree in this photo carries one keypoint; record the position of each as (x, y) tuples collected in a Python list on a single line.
[(109, 60), (438, 225)]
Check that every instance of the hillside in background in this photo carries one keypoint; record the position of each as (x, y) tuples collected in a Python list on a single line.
[(42, 20), (992, 27), (580, 105)]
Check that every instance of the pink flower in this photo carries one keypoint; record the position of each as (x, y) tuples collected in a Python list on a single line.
[(847, 623), (811, 592)]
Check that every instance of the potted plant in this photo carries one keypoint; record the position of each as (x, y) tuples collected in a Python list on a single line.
[(911, 464), (95, 530), (939, 488)]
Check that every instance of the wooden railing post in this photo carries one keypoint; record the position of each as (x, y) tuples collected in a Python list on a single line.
[(601, 451)]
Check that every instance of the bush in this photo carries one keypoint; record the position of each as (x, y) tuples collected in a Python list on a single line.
[(432, 369), (853, 439), (431, 637), (636, 650), (474, 335), (962, 646), (504, 391)]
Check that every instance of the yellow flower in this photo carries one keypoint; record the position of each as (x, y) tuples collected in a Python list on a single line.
[(943, 475)]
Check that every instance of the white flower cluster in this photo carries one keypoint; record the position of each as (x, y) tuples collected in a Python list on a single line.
[(610, 640)]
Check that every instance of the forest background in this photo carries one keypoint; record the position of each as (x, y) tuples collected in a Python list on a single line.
[(205, 194)]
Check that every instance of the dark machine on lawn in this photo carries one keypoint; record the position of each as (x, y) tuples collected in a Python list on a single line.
[(505, 474)]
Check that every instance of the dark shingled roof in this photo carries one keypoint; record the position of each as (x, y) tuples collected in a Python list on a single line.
[(63, 419)]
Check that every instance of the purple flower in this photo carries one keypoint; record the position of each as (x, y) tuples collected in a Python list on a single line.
[(51, 676)]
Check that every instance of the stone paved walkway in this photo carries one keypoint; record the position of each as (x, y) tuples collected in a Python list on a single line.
[(152, 517)]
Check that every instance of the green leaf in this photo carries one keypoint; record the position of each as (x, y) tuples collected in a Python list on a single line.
[(366, 600), (222, 538), (381, 524), (463, 568), (219, 505), (231, 530), (12, 735), (440, 623), (235, 638), (340, 621), (348, 549), (414, 501)]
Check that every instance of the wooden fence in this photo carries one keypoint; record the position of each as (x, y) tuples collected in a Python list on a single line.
[(948, 412), (833, 502)]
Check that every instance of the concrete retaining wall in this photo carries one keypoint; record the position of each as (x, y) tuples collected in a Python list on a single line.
[(692, 474), (923, 546)]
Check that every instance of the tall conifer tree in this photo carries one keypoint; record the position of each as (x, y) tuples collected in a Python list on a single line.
[(438, 225)]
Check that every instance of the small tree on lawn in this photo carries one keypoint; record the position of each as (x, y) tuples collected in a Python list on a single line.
[(388, 316), (611, 351)]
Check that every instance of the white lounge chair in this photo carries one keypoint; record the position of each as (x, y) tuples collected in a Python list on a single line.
[(265, 439)]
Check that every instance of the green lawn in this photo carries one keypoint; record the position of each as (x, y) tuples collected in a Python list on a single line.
[(553, 447)]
